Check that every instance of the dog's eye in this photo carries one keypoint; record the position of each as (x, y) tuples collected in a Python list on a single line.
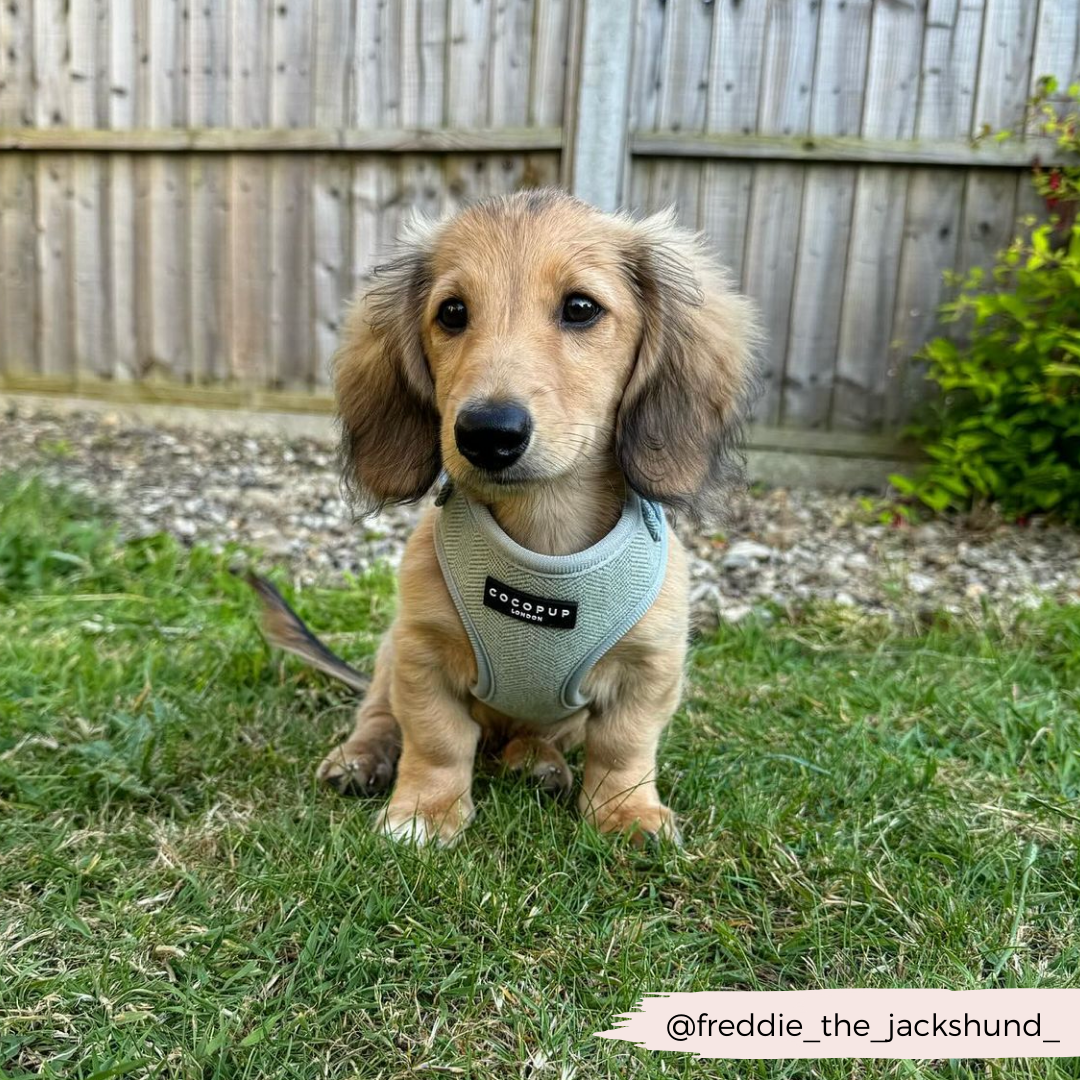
[(579, 310), (452, 314)]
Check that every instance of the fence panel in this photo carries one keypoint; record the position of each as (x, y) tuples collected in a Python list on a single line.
[(833, 170), (192, 196)]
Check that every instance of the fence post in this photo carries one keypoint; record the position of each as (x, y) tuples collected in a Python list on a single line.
[(598, 113)]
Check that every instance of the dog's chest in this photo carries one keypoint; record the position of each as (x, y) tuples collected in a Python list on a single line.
[(539, 623)]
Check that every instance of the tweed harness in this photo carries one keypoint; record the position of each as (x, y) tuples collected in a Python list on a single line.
[(538, 623)]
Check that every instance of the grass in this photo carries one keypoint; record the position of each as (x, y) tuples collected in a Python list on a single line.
[(864, 805)]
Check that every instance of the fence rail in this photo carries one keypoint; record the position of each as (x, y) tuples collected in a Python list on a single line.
[(190, 193)]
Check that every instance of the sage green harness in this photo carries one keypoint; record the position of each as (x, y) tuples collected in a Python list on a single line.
[(538, 623)]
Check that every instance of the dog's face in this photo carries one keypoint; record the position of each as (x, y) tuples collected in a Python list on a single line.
[(530, 329), (533, 337)]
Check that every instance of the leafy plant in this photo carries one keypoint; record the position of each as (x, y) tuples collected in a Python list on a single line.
[(1005, 428), (1057, 117)]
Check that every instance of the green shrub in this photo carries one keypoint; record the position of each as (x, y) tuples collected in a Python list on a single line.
[(1057, 116), (1004, 428)]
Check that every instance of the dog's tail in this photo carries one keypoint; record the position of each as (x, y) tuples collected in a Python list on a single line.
[(284, 629)]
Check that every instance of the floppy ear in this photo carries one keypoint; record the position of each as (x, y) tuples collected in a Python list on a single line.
[(680, 420), (382, 382)]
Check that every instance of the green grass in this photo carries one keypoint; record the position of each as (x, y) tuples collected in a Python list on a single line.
[(863, 805)]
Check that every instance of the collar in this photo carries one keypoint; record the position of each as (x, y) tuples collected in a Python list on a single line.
[(635, 511)]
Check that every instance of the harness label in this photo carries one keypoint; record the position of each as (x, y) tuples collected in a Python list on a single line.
[(560, 614)]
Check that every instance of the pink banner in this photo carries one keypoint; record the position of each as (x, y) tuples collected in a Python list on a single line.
[(857, 1023)]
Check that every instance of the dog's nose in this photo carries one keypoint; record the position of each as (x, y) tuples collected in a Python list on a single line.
[(494, 435)]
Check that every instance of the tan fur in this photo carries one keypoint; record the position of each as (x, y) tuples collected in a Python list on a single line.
[(650, 396)]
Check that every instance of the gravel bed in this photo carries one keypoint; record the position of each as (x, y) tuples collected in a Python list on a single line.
[(787, 547)]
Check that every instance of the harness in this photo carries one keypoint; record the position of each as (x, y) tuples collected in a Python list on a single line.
[(538, 623)]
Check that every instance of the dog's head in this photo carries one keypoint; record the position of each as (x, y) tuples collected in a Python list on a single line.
[(531, 338)]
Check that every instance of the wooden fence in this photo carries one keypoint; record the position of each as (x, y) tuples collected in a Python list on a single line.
[(189, 192)]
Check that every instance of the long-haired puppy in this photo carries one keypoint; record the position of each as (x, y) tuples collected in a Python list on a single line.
[(561, 375)]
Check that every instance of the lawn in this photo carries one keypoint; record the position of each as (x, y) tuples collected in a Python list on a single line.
[(864, 804)]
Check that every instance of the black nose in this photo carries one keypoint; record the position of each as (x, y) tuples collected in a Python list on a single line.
[(494, 435)]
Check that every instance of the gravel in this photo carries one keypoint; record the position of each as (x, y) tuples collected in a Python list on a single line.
[(779, 546)]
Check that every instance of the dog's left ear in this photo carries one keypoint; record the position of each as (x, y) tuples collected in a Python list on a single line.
[(384, 390), (680, 420)]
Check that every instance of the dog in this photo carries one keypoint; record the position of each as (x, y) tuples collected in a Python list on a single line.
[(564, 376)]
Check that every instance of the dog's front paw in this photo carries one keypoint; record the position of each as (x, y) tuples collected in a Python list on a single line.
[(361, 768), (641, 824), (418, 823)]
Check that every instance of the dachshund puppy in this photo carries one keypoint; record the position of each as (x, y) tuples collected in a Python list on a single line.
[(565, 374)]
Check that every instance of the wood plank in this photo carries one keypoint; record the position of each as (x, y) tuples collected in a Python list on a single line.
[(423, 45), (647, 65), (931, 227), (422, 189), (423, 63), (291, 346), (335, 38), (989, 220), (208, 89), (170, 319), (124, 48), (736, 59), (467, 179), (676, 185), (541, 170), (250, 43), (933, 216), (837, 150), (863, 360), (738, 53), (836, 108), (683, 105), (18, 266), (391, 86), (260, 139), (776, 200), (950, 68), (549, 72), (90, 298), (639, 185), (1057, 43), (468, 77), (685, 67), (841, 71), (598, 138), (209, 276), (890, 106), (54, 265), (365, 109), (18, 240), (769, 270), (17, 53), (365, 215), (1005, 65), (725, 199), (510, 46), (788, 71), (817, 296), (52, 106), (364, 99), (332, 285)]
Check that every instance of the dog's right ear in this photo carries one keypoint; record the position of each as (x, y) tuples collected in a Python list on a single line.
[(382, 382)]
